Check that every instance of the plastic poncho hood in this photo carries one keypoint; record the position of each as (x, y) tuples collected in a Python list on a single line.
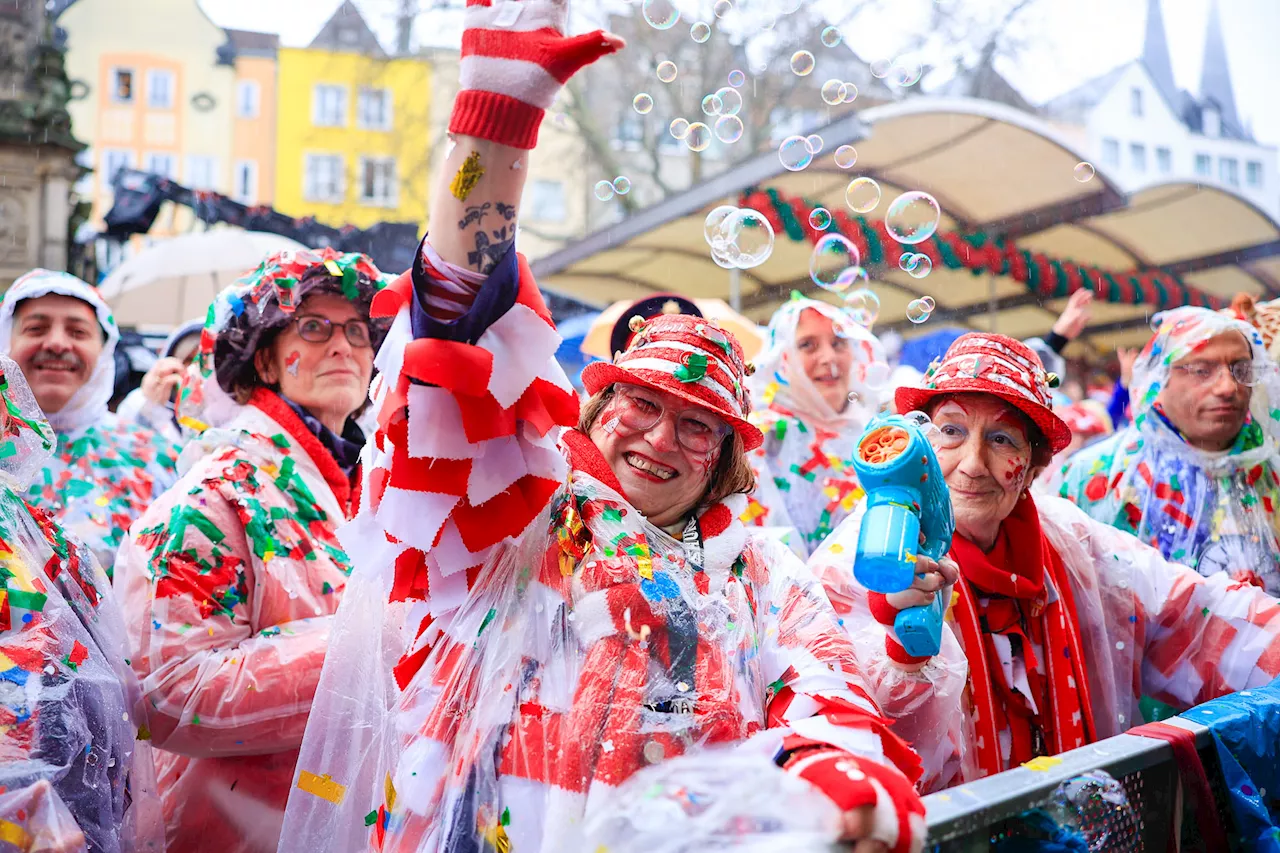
[(88, 404)]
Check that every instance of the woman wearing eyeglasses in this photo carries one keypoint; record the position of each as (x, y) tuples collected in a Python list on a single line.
[(229, 579), (1195, 474)]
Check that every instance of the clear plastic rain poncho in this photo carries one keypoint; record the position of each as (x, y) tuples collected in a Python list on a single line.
[(805, 483), (1216, 512), (73, 772), (516, 640)]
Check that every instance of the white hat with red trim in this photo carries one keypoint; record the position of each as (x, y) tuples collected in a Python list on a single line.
[(690, 357)]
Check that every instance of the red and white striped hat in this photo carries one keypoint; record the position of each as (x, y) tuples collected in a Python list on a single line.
[(690, 357), (998, 365)]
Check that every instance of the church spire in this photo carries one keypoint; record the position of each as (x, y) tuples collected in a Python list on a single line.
[(1155, 52), (1215, 78)]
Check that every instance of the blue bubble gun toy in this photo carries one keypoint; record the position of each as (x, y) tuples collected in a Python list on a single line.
[(906, 495)]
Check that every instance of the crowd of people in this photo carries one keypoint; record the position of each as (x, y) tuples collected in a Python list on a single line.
[(357, 568)]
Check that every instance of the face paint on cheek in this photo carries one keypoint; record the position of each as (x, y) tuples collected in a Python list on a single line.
[(291, 362), (1015, 473)]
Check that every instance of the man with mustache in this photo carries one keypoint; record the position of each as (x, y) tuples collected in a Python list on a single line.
[(1195, 474), (105, 472)]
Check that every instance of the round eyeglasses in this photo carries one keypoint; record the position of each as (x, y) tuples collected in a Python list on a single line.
[(641, 409), (316, 329)]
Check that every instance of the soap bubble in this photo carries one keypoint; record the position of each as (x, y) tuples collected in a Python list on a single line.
[(905, 262), (918, 311), (660, 14), (730, 101), (913, 217), (922, 266), (1083, 172), (748, 238), (928, 303), (850, 92), (863, 304), (831, 37), (802, 63), (820, 219), (679, 128), (813, 142), (711, 226), (736, 78), (721, 259), (604, 190), (711, 105), (833, 92), (880, 68), (832, 255), (862, 195), (846, 156), (643, 103), (699, 137), (667, 71), (622, 185), (794, 153), (700, 32), (728, 129), (722, 8), (853, 395), (906, 71), (876, 375)]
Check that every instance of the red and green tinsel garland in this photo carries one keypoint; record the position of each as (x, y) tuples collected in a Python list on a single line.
[(1046, 277)]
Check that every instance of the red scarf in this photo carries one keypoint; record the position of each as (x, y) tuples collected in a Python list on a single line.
[(1007, 591)]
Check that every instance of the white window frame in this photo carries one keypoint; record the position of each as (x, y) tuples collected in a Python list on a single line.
[(317, 104), (1206, 161), (194, 164), (172, 160), (1229, 171), (537, 202), (339, 186), (391, 184), (133, 84), (1164, 160), (126, 155), (1109, 145), (250, 196), (1253, 173), (154, 74), (253, 101), (363, 99), (1137, 156)]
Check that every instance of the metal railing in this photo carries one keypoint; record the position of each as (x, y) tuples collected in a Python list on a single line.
[(974, 816)]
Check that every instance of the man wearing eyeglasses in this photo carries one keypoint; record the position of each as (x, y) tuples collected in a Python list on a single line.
[(1195, 474)]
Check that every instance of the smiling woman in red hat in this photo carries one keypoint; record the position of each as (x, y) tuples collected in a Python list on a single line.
[(1060, 623), (530, 621)]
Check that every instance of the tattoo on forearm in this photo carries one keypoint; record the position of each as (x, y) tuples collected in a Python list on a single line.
[(506, 211), (491, 247), (476, 213)]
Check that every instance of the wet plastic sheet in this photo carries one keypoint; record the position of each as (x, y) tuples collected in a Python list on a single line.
[(1246, 732)]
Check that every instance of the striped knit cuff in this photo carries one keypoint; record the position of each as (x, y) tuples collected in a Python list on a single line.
[(497, 118)]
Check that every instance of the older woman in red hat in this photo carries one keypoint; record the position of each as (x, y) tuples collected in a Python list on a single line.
[(1059, 624), (531, 622)]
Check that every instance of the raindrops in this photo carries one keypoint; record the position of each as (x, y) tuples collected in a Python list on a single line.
[(660, 14), (622, 185), (667, 71), (831, 37), (862, 195), (915, 264), (642, 103), (919, 310), (736, 78), (1083, 172), (699, 137), (795, 154), (604, 190), (700, 32), (802, 63), (846, 156), (863, 305), (833, 92), (712, 105), (679, 128), (913, 217), (730, 101), (832, 255), (820, 219), (728, 129), (739, 238)]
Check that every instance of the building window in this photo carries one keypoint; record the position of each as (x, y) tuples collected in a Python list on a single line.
[(84, 184), (630, 131), (1111, 152), (373, 109), (122, 85), (245, 187), (164, 165), (1253, 173), (1211, 121), (324, 178), (200, 172), (1138, 156), (1204, 165), (378, 181), (160, 90), (329, 106), (1164, 161), (248, 99), (547, 201), (1135, 101), (1229, 171), (113, 160)]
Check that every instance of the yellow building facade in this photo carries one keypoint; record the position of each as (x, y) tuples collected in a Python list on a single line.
[(353, 136)]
